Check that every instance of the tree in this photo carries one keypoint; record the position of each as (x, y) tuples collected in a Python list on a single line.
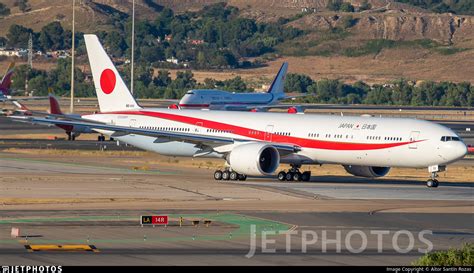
[(346, 7), (297, 83), (3, 41), (151, 54), (22, 5), (365, 5), (328, 91), (236, 84), (402, 92), (433, 92), (348, 22), (52, 36), (18, 36), (4, 10), (334, 5), (116, 45), (163, 79), (184, 80), (209, 83)]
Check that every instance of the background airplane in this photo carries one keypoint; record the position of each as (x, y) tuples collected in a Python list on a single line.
[(72, 131), (6, 82), (5, 87), (257, 143), (223, 100)]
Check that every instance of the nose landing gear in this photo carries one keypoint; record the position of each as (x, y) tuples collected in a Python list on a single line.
[(433, 182)]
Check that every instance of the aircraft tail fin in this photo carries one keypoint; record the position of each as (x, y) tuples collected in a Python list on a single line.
[(112, 93), (54, 107), (279, 81), (7, 80)]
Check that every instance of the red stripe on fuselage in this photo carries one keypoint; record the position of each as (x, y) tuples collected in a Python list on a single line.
[(263, 136)]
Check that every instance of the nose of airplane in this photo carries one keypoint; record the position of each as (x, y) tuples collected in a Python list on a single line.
[(456, 151), (462, 150)]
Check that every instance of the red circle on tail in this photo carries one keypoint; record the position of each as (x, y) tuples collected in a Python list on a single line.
[(107, 81)]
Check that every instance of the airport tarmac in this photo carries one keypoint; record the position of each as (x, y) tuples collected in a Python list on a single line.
[(96, 200)]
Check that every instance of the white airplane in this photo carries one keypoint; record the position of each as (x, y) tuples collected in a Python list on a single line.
[(224, 100), (257, 143)]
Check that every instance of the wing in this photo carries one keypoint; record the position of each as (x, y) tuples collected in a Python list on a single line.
[(207, 141), (9, 98)]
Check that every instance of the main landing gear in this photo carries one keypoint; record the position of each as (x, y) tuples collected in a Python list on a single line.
[(70, 136), (294, 174), (229, 175)]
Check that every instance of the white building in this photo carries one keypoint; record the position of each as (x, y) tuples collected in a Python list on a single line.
[(13, 52)]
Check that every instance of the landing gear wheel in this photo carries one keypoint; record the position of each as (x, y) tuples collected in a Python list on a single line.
[(282, 176), (218, 175), (297, 176), (432, 183), (234, 176), (289, 176), (306, 176), (225, 175), (242, 177)]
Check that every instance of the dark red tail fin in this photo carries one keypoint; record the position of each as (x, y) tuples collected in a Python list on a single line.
[(6, 82), (54, 105)]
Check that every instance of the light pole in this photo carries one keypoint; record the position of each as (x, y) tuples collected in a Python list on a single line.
[(133, 45), (71, 107)]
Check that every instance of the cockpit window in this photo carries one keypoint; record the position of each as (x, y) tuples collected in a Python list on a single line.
[(450, 138), (190, 93)]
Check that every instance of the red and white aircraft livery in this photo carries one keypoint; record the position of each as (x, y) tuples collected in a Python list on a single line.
[(72, 131), (7, 81), (257, 143)]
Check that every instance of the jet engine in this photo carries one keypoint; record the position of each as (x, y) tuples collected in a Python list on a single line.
[(366, 171), (254, 159)]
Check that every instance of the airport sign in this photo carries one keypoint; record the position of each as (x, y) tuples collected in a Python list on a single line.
[(154, 220)]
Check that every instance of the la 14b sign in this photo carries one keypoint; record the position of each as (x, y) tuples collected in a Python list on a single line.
[(154, 220)]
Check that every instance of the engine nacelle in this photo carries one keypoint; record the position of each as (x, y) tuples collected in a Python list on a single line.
[(254, 159), (366, 171)]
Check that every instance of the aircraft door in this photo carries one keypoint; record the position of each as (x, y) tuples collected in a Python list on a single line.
[(198, 127), (414, 137), (133, 123), (268, 133)]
